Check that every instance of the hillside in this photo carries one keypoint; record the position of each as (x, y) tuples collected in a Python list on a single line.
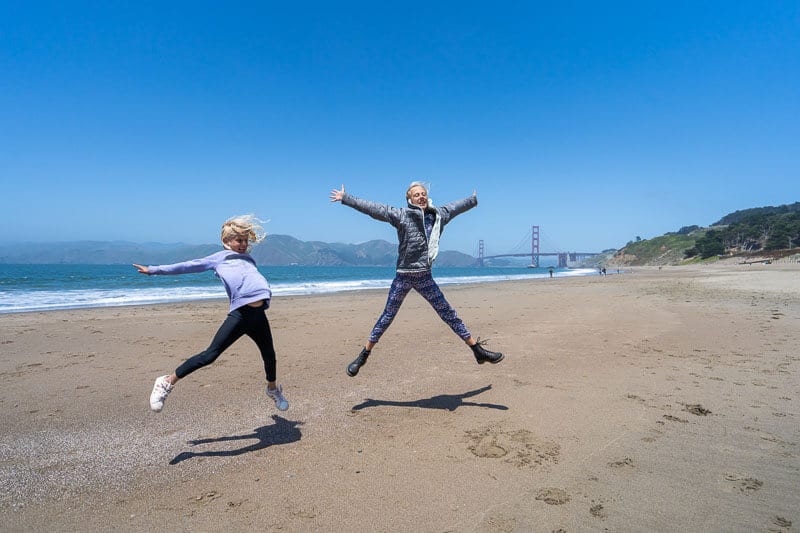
[(771, 231), (667, 249), (747, 214), (275, 250)]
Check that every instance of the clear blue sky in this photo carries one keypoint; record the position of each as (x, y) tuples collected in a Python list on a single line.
[(597, 121)]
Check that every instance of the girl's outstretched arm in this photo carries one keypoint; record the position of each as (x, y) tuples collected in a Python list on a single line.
[(336, 196), (186, 267)]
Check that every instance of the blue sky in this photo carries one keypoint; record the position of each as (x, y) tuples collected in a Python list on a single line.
[(597, 121)]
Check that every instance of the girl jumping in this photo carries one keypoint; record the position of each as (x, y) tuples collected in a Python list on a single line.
[(249, 295)]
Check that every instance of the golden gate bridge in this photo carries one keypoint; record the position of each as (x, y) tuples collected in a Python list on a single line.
[(564, 258)]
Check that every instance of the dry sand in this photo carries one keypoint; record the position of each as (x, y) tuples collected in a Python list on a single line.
[(655, 400)]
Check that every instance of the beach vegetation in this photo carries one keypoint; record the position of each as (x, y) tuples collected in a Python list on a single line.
[(709, 245), (761, 230)]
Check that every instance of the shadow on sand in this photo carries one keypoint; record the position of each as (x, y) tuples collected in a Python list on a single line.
[(282, 432), (450, 402)]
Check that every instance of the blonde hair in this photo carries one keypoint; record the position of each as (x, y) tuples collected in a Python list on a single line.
[(245, 225), (416, 184)]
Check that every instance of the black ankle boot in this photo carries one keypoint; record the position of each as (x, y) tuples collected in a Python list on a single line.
[(483, 355), (352, 368)]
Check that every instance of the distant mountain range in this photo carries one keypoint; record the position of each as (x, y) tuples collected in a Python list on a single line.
[(275, 250)]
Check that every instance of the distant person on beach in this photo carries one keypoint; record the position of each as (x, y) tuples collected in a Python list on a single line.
[(419, 226), (249, 295)]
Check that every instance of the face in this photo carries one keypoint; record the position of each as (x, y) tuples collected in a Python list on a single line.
[(418, 196), (237, 243)]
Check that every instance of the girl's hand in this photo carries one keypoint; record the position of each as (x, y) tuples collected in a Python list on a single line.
[(336, 196), (141, 268)]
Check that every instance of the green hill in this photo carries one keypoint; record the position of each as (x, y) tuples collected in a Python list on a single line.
[(748, 214), (668, 249), (767, 231)]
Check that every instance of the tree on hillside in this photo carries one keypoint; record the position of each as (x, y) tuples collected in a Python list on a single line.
[(708, 245), (785, 233), (759, 230), (747, 214)]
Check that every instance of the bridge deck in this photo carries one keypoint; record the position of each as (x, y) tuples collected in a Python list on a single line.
[(549, 254)]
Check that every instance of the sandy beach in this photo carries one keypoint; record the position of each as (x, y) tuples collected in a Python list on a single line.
[(654, 400)]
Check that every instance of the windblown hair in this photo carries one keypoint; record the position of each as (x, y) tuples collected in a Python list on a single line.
[(416, 184), (245, 225)]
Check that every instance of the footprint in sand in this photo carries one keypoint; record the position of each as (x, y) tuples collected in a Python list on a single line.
[(769, 437), (621, 463), (553, 496), (502, 523), (598, 511), (520, 448), (782, 522), (207, 497), (488, 447), (744, 484), (696, 409)]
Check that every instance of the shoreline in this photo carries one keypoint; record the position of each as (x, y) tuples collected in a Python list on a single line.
[(280, 290), (656, 400)]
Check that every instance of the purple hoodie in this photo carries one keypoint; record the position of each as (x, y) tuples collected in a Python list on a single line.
[(238, 272)]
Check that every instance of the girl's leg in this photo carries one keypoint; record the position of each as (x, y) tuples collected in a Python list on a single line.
[(230, 330), (397, 293), (228, 333), (258, 329), (430, 290)]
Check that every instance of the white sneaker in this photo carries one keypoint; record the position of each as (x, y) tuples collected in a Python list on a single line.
[(161, 390), (277, 396)]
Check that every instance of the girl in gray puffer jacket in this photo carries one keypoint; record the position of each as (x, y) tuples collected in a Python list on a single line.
[(419, 227)]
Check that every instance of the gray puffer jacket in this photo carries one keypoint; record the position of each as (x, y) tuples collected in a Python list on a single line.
[(413, 246)]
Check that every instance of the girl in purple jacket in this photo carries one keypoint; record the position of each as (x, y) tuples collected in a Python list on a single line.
[(249, 295)]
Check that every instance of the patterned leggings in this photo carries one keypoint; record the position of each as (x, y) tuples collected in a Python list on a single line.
[(424, 284)]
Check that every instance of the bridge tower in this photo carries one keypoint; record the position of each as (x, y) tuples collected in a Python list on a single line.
[(535, 246), (480, 252)]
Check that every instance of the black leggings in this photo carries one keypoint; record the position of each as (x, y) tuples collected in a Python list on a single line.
[(246, 320)]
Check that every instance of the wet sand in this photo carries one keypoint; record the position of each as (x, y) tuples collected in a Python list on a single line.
[(654, 400)]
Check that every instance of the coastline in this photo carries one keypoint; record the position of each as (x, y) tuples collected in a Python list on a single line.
[(68, 287), (661, 399)]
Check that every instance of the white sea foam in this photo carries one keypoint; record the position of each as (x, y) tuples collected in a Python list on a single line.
[(512, 277), (47, 300), (11, 302), (323, 287)]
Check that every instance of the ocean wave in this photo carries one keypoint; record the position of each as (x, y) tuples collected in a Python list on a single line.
[(18, 301)]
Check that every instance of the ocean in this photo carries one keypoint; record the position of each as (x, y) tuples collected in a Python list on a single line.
[(25, 288)]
